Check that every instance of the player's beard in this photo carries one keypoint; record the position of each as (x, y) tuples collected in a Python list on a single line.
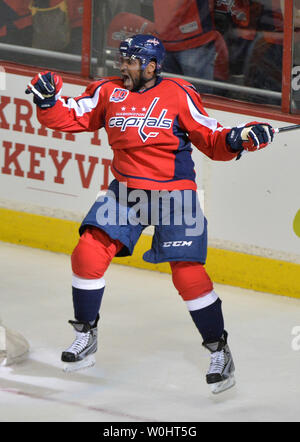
[(136, 84)]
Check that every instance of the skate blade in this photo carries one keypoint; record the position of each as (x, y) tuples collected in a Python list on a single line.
[(219, 387), (87, 362)]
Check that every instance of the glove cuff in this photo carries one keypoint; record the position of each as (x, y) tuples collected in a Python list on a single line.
[(44, 104), (234, 140)]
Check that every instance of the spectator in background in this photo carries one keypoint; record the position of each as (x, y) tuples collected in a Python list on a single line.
[(263, 67), (75, 13), (253, 30), (124, 25), (237, 21), (57, 25), (117, 6), (192, 42), (45, 24), (15, 22)]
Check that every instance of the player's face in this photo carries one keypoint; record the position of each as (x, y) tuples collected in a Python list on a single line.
[(131, 72)]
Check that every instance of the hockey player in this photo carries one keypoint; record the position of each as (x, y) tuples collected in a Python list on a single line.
[(151, 122)]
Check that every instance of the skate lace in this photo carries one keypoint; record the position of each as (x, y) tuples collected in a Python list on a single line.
[(217, 362), (80, 343)]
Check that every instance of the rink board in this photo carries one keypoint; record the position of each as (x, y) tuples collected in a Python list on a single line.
[(224, 266)]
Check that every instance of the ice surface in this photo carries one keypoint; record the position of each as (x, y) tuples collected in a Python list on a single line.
[(150, 366)]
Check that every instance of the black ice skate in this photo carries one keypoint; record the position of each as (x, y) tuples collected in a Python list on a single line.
[(81, 353), (220, 375)]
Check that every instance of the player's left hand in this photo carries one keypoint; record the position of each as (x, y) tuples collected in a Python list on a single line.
[(253, 136), (45, 87)]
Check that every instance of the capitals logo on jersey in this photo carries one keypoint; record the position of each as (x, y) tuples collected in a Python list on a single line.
[(119, 95), (142, 123)]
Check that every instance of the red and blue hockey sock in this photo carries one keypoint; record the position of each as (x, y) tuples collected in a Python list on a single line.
[(90, 259), (196, 288)]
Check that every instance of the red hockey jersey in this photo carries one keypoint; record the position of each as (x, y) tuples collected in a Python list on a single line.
[(150, 132)]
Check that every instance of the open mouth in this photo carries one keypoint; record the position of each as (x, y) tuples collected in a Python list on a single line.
[(127, 80)]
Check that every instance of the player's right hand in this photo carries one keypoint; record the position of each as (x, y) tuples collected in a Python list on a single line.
[(45, 87), (251, 137)]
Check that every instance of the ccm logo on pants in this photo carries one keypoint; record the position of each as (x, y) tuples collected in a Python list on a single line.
[(177, 243)]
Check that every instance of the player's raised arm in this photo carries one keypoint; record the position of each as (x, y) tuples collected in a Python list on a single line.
[(78, 114)]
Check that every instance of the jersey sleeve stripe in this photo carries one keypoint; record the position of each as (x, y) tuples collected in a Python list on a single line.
[(211, 123), (95, 91), (84, 104), (196, 113)]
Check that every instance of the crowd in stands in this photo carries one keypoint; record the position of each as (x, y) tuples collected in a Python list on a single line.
[(234, 41)]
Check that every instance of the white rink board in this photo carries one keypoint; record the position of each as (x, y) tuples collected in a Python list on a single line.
[(254, 201), (251, 202)]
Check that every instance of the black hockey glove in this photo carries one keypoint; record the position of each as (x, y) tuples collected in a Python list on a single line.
[(45, 87), (251, 137)]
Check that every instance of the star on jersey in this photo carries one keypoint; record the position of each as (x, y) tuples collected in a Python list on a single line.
[(142, 122), (123, 109)]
